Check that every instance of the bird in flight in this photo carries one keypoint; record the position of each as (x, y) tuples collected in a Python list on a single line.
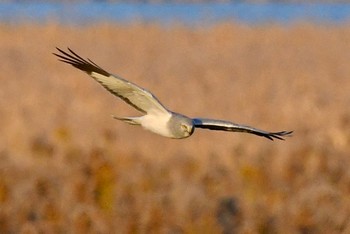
[(156, 117)]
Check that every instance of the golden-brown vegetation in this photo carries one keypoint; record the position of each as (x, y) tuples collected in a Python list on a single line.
[(67, 167)]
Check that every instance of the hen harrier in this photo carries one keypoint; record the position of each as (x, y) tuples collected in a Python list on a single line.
[(156, 118)]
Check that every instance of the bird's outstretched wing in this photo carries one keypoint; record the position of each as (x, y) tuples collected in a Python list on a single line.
[(132, 94), (213, 124)]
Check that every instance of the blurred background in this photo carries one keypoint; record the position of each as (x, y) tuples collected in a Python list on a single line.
[(66, 166)]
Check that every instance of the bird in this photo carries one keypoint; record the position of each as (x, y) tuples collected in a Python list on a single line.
[(156, 117)]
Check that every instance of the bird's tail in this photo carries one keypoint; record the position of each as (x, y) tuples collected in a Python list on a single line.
[(129, 120)]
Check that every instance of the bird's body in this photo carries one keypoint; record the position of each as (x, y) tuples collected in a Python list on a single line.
[(156, 118), (157, 123)]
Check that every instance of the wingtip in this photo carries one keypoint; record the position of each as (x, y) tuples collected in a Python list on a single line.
[(62, 51), (69, 49), (59, 50), (280, 135)]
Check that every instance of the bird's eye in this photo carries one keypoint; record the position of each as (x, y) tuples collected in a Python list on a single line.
[(184, 127)]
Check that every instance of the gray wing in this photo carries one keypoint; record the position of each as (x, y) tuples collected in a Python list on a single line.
[(132, 94), (213, 124)]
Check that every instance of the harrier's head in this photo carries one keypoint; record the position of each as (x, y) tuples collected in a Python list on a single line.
[(180, 126)]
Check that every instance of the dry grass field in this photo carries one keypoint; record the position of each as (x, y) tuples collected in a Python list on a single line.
[(67, 167)]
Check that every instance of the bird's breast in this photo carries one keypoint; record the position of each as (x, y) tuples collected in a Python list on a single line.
[(157, 123)]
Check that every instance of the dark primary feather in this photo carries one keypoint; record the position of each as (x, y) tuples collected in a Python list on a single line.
[(232, 127), (80, 63)]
